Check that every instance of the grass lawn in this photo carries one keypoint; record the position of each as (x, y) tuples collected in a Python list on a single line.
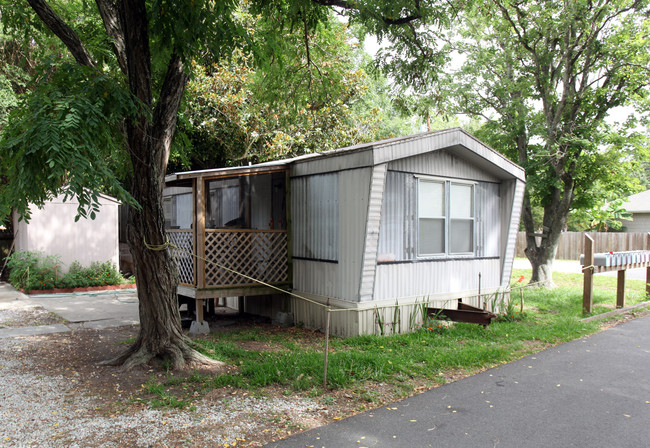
[(290, 361)]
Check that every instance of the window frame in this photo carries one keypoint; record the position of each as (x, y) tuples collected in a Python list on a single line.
[(447, 219)]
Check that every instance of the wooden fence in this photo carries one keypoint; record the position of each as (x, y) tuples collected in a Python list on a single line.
[(572, 243)]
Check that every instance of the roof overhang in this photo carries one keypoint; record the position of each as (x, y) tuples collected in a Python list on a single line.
[(456, 140)]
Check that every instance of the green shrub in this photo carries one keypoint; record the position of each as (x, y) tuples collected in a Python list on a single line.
[(97, 274), (33, 270)]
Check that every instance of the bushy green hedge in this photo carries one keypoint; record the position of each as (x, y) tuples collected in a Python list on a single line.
[(33, 271)]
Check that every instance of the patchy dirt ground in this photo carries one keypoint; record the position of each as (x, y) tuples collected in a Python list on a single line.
[(68, 399), (22, 317), (54, 392)]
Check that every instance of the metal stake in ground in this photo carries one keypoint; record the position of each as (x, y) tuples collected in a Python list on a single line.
[(327, 343)]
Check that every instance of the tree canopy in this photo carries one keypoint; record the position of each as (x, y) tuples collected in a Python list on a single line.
[(115, 92), (544, 75)]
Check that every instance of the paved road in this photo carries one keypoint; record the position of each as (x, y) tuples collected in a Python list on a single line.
[(592, 392)]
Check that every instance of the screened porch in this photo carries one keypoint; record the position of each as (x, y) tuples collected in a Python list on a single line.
[(235, 222)]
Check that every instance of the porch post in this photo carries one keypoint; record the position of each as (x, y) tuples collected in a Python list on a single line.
[(200, 232), (199, 326)]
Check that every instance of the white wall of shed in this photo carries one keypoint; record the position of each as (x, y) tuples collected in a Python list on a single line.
[(640, 223), (53, 231)]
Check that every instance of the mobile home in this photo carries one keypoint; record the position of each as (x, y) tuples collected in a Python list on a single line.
[(375, 231)]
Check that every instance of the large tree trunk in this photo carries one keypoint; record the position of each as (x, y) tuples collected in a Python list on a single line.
[(148, 144), (541, 255)]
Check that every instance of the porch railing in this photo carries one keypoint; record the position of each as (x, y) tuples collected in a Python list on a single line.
[(260, 254), (186, 262)]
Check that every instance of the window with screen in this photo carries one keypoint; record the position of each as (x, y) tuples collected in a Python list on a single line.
[(445, 218)]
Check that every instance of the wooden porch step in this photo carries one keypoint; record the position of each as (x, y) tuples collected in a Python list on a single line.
[(464, 313)]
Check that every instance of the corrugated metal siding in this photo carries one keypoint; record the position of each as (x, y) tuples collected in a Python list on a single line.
[(442, 163), (488, 219), (354, 191), (512, 213), (435, 277), (397, 239), (377, 185), (463, 144), (316, 277), (333, 163), (339, 280), (315, 216)]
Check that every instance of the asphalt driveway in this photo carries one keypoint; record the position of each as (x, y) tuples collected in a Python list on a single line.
[(592, 392)]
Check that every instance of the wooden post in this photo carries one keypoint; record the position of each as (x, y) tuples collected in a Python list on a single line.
[(588, 280), (199, 310), (327, 343), (200, 233), (620, 289)]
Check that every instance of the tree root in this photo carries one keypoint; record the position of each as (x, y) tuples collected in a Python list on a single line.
[(178, 356)]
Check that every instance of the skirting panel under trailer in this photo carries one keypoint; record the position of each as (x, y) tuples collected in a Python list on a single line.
[(388, 317)]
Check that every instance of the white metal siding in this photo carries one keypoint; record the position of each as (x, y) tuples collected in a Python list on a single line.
[(640, 223), (398, 238), (333, 163), (316, 277), (422, 279), (354, 191), (488, 219), (462, 144), (373, 221), (513, 199), (340, 279), (442, 163), (315, 210)]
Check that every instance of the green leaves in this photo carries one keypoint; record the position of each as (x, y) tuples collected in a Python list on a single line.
[(63, 139)]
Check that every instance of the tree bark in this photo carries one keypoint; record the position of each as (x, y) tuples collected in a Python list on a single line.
[(148, 144), (556, 213), (148, 139)]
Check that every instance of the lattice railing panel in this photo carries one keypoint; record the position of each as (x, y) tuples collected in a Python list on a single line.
[(261, 255), (183, 239)]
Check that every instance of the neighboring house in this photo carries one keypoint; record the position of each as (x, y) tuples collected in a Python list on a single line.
[(375, 229), (639, 205), (52, 230)]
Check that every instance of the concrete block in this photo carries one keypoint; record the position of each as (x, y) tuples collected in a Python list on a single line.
[(199, 327)]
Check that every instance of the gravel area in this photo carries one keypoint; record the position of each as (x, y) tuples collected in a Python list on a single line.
[(51, 405), (21, 317)]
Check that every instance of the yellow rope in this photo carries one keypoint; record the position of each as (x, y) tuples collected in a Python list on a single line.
[(159, 247), (169, 245)]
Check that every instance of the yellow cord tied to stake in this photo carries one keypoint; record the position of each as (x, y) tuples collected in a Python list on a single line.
[(158, 247), (169, 245)]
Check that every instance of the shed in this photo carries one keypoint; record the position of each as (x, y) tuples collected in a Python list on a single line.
[(639, 205), (375, 230), (52, 230)]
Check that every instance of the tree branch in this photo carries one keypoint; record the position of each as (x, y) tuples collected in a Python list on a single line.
[(388, 21), (110, 17), (63, 31), (166, 112)]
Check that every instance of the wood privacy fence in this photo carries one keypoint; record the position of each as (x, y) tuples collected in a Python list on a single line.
[(572, 243)]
